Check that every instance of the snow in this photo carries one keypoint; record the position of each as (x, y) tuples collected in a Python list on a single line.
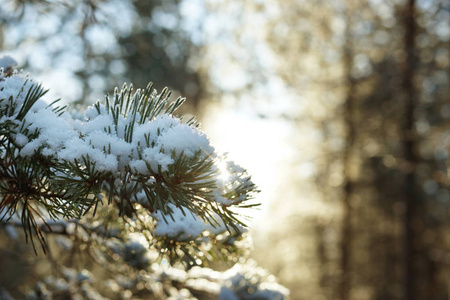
[(53, 130), (15, 87), (98, 136), (184, 226), (21, 139), (113, 145), (77, 149), (248, 281), (99, 123), (184, 138), (179, 225), (139, 166), (101, 139), (156, 158), (220, 198), (154, 129)]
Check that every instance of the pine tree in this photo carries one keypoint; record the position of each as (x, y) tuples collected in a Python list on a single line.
[(137, 189)]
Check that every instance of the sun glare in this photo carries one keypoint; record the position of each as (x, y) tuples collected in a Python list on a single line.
[(224, 175), (257, 145)]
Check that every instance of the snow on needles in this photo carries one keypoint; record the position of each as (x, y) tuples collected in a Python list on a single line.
[(183, 225), (14, 87), (97, 137)]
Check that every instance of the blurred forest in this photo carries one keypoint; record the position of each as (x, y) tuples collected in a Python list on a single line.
[(361, 210)]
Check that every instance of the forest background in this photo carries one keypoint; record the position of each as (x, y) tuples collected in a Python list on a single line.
[(339, 109)]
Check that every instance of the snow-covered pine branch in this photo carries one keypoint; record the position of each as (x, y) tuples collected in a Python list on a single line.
[(130, 151)]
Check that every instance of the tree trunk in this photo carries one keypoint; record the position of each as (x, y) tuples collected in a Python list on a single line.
[(411, 159), (350, 133)]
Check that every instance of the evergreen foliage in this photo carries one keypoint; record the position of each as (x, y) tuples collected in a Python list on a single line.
[(128, 182), (170, 167)]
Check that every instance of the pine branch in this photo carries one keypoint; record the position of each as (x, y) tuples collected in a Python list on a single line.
[(130, 149)]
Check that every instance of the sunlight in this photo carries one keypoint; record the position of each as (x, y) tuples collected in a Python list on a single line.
[(260, 145), (224, 174)]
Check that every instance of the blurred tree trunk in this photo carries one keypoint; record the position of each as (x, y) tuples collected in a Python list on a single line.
[(348, 187), (409, 145)]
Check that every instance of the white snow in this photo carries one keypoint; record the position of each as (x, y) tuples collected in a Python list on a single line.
[(186, 139), (112, 145), (15, 86), (155, 158), (184, 226), (243, 278), (154, 128), (98, 123), (100, 139), (21, 139), (77, 148), (54, 131), (179, 225), (219, 197), (139, 166)]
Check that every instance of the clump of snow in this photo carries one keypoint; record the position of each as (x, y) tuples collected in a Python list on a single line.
[(156, 158), (184, 226), (186, 139), (150, 148), (77, 149), (248, 281), (218, 196), (139, 166), (14, 87), (100, 138), (99, 123), (53, 130), (242, 281), (112, 145), (21, 139)]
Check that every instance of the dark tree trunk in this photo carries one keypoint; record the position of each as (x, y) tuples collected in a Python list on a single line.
[(350, 134), (411, 159)]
